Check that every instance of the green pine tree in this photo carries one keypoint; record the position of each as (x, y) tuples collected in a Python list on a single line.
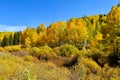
[(5, 41), (11, 39), (17, 39)]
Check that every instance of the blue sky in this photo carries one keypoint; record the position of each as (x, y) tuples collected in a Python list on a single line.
[(17, 14)]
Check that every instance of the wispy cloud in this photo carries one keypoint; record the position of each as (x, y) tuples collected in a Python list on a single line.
[(11, 28)]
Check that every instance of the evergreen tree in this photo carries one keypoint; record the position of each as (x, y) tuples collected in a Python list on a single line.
[(17, 40), (11, 39), (5, 41), (19, 37)]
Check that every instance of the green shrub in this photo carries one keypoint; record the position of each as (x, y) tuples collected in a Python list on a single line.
[(27, 58), (99, 56), (44, 52), (92, 65), (67, 51), (86, 69)]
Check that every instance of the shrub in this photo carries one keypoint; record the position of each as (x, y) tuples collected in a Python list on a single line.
[(110, 73), (100, 59), (99, 56), (86, 69), (13, 48), (30, 58), (2, 49), (79, 72), (67, 55), (43, 53), (114, 58), (34, 51), (67, 51), (91, 65), (27, 58)]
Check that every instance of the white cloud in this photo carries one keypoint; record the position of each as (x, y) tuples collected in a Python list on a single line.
[(11, 28)]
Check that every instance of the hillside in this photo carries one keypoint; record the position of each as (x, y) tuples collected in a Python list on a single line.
[(85, 48)]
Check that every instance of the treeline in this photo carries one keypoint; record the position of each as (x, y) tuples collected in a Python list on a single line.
[(100, 34), (11, 39), (76, 31)]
